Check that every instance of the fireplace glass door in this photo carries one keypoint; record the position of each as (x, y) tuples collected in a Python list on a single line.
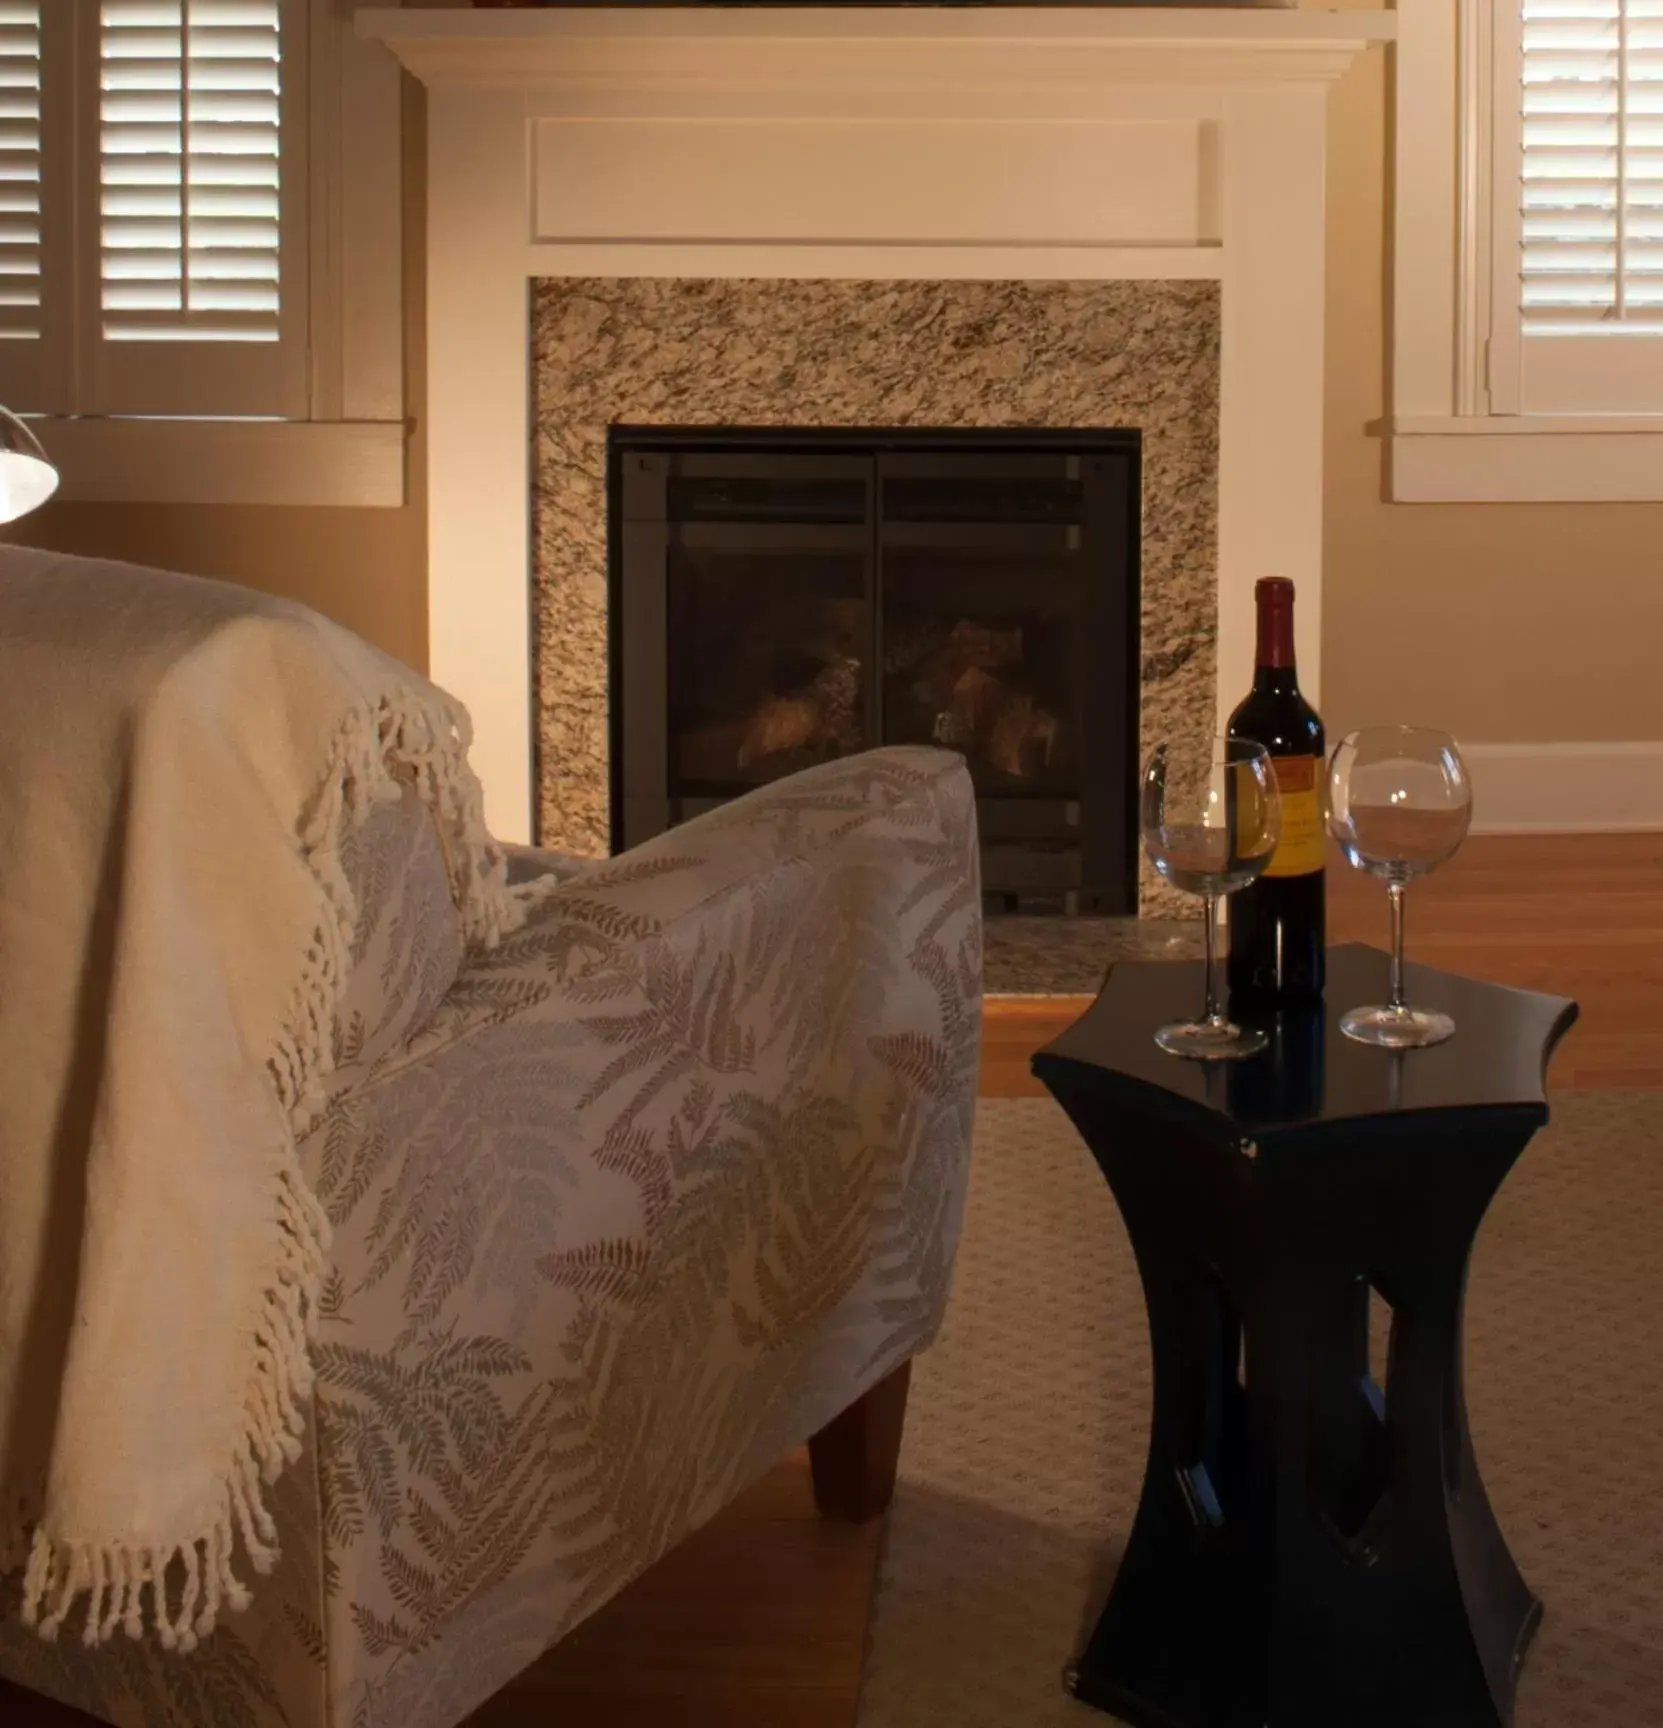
[(768, 593), (776, 604)]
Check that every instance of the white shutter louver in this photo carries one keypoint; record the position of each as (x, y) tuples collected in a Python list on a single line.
[(1591, 193), (20, 210), (189, 170)]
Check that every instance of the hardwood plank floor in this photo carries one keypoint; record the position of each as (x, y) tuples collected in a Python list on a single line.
[(1574, 915), (758, 1621)]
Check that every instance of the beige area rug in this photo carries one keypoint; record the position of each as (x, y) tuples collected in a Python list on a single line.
[(1028, 1423)]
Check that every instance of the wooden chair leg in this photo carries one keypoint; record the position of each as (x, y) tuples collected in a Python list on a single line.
[(853, 1457)]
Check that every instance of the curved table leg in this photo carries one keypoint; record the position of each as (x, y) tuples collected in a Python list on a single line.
[(1311, 1549)]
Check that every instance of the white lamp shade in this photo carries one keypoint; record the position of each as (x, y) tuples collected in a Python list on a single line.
[(27, 479)]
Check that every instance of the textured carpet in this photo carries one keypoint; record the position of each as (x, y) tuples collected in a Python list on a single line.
[(1029, 1421)]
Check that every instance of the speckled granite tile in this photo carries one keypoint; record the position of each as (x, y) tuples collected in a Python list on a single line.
[(683, 352), (1041, 956)]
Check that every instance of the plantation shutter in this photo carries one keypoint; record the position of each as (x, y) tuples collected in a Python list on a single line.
[(1575, 136), (34, 261), (20, 160), (1591, 178), (200, 271)]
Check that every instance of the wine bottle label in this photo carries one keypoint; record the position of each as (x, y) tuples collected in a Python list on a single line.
[(1300, 850)]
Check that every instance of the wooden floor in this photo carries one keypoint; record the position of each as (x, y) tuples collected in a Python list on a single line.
[(759, 1619), (1578, 916)]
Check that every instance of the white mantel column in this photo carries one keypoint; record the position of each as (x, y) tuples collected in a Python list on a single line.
[(1271, 385), (479, 435)]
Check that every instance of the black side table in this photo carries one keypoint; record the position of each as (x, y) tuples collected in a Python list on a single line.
[(1312, 1549)]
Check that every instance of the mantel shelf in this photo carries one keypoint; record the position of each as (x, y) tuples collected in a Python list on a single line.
[(929, 47)]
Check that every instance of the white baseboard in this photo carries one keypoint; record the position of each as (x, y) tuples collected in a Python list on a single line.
[(1566, 788)]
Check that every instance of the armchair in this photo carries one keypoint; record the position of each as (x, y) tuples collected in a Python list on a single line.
[(623, 1210)]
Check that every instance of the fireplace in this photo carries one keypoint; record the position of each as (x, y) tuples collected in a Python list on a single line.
[(998, 216), (778, 597)]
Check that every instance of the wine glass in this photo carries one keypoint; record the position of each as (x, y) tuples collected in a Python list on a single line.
[(1399, 803), (1211, 817)]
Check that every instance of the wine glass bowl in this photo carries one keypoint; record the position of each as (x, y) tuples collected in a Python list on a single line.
[(1399, 804), (1210, 817)]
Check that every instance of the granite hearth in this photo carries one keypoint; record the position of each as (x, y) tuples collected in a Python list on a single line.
[(1071, 956)]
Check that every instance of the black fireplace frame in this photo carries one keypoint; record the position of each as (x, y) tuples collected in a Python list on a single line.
[(1106, 827)]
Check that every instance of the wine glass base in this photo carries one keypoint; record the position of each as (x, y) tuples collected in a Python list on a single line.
[(1397, 1028), (1210, 1040)]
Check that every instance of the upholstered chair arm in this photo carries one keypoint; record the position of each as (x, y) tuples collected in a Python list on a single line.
[(847, 890), (671, 1178)]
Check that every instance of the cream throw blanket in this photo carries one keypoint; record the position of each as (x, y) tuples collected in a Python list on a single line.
[(179, 761)]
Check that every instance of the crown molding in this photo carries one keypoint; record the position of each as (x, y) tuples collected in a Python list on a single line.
[(863, 60)]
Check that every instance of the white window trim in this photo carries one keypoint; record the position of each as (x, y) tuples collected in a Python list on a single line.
[(299, 462), (1447, 445), (352, 448)]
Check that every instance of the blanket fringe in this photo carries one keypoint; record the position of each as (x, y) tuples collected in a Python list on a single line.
[(379, 752), (188, 1586), (181, 1591), (488, 907)]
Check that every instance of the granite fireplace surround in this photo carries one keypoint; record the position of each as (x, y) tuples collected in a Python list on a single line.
[(648, 351)]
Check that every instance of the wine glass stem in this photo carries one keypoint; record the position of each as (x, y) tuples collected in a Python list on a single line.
[(1210, 1011), (1394, 893)]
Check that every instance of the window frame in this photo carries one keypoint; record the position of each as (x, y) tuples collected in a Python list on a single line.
[(339, 434), (1462, 429)]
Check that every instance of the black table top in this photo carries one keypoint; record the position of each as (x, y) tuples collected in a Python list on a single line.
[(1312, 1074)]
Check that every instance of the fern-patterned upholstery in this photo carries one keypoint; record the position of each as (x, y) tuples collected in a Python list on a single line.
[(642, 1200)]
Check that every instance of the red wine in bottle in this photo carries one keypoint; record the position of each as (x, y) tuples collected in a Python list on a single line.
[(1276, 923)]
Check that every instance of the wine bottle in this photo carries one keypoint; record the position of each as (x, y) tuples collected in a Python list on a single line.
[(1276, 923)]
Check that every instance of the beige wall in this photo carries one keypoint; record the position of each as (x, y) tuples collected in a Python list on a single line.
[(1501, 622), (362, 567), (365, 568)]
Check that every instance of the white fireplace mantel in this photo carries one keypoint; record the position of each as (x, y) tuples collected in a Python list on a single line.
[(1013, 143)]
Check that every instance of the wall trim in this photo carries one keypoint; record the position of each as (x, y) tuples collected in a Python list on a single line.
[(304, 462), (1593, 788), (886, 263), (1496, 461), (980, 54)]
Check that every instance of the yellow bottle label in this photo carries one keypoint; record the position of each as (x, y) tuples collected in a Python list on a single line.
[(1300, 850)]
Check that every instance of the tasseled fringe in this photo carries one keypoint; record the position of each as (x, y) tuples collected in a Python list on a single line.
[(378, 751), (376, 754), (114, 1579), (489, 909)]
